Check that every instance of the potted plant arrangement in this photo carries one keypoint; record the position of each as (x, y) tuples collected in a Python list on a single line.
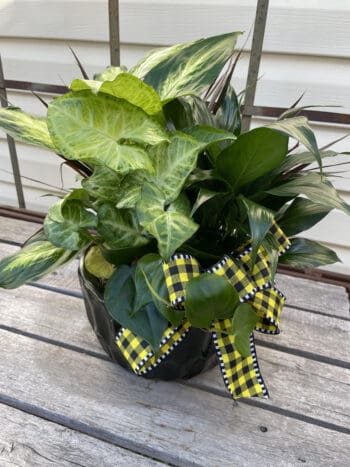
[(180, 220)]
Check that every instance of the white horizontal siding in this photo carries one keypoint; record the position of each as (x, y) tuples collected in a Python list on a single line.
[(306, 48)]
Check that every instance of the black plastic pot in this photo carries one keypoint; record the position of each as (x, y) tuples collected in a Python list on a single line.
[(194, 354)]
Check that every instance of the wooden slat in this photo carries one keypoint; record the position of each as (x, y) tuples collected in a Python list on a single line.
[(14, 230), (168, 421), (32, 441), (65, 322)]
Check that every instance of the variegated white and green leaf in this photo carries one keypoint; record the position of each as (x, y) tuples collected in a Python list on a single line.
[(119, 228), (104, 184), (186, 68), (104, 130), (31, 263), (26, 128)]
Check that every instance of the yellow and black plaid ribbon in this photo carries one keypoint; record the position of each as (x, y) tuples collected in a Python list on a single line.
[(241, 374)]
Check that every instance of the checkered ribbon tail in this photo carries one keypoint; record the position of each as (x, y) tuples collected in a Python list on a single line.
[(241, 375)]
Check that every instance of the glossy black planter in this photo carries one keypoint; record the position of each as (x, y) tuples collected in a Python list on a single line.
[(196, 353)]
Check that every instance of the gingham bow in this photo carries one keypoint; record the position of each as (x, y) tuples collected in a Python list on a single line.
[(241, 374)]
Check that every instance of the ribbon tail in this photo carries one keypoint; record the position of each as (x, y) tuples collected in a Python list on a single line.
[(241, 375)]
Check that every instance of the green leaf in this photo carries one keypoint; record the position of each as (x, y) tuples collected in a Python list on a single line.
[(178, 113), (120, 296), (96, 264), (130, 189), (203, 196), (186, 68), (104, 130), (103, 184), (129, 87), (170, 228), (119, 228), (299, 129), (174, 162), (228, 114), (126, 255), (208, 134), (109, 74), (66, 225), (301, 215), (26, 128), (305, 253), (243, 324), (260, 221), (253, 154), (209, 297), (31, 263), (85, 84), (301, 158), (318, 190)]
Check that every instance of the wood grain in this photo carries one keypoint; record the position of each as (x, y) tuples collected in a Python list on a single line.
[(168, 421), (26, 440)]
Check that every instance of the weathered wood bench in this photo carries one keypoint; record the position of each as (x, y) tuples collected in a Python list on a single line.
[(64, 403)]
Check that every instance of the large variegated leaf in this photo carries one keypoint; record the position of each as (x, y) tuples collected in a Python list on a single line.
[(32, 262), (119, 228), (104, 130), (186, 68), (26, 128), (299, 129), (174, 162), (67, 223), (130, 189), (103, 184), (170, 228), (318, 190)]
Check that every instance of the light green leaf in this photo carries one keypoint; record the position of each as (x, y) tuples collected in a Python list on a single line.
[(31, 263), (120, 296), (181, 205), (171, 229), (209, 297), (129, 87), (130, 189), (208, 134), (26, 128), (103, 129), (109, 74), (186, 68), (119, 228), (260, 221), (299, 129), (174, 162), (318, 190), (243, 324), (103, 184), (96, 264), (301, 215), (67, 223), (254, 154), (304, 253), (85, 84)]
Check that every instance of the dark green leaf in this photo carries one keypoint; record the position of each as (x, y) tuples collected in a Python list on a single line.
[(120, 296), (209, 297), (127, 255), (253, 154), (228, 115), (301, 215), (243, 324), (305, 253)]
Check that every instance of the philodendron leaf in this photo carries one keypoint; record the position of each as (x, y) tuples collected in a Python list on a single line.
[(260, 221), (318, 190), (301, 215), (299, 129), (119, 227), (134, 90), (26, 128), (67, 223), (31, 263), (252, 155), (96, 264), (304, 253), (104, 130), (85, 84), (174, 162), (186, 68), (103, 184), (243, 324), (209, 297), (120, 296), (170, 228), (208, 134), (130, 189)]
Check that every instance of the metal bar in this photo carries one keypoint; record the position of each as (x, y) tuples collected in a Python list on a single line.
[(114, 41), (254, 61), (12, 145), (36, 87)]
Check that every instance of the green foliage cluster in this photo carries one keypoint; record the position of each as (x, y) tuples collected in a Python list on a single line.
[(161, 173)]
